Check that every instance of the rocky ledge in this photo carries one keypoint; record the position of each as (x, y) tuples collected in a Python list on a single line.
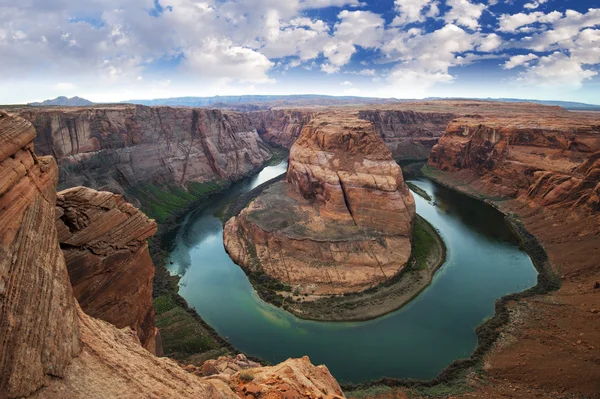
[(341, 222), (103, 239)]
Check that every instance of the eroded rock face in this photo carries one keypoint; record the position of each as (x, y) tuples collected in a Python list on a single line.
[(280, 127), (39, 333), (505, 157), (114, 147), (408, 134), (104, 241), (342, 222)]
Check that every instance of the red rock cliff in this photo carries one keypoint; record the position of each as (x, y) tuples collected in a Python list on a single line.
[(113, 147), (506, 156), (408, 134), (104, 242), (38, 319), (341, 223)]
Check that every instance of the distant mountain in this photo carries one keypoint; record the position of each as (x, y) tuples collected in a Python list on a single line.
[(568, 105), (63, 102), (265, 101)]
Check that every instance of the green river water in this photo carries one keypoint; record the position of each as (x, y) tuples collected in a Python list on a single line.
[(484, 262)]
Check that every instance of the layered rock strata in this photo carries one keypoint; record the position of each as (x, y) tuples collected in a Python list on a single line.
[(408, 134), (104, 241), (50, 347), (115, 147), (39, 334), (342, 222), (550, 160)]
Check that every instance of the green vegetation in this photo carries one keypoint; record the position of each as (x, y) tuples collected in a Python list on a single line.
[(163, 304), (246, 376), (419, 191), (182, 335), (279, 154), (162, 203), (374, 391), (424, 242)]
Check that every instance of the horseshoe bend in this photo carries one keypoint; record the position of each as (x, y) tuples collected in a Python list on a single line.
[(340, 222)]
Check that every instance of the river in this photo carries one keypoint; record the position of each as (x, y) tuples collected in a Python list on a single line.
[(484, 262)]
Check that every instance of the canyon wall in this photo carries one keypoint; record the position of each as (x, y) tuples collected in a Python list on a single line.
[(38, 317), (50, 347), (549, 160), (342, 221), (115, 147), (104, 241), (408, 134)]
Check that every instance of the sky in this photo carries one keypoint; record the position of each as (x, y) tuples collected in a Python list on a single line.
[(116, 50)]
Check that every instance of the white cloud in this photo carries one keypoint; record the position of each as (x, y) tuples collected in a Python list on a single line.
[(367, 72), (489, 43), (556, 70), (328, 68), (518, 60), (426, 59), (535, 4), (410, 11), (218, 57), (346, 83), (511, 23), (464, 13)]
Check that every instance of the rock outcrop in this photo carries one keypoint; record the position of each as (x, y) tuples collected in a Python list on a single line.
[(408, 134), (104, 241), (39, 333), (115, 147), (50, 347), (544, 158), (342, 222), (280, 127)]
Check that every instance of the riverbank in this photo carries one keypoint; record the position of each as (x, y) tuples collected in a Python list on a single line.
[(429, 254), (186, 337), (465, 376)]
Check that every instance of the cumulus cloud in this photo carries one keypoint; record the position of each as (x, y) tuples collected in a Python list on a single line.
[(410, 11), (137, 43), (518, 60), (464, 13), (556, 70)]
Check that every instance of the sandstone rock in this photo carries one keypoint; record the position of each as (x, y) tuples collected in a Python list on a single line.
[(294, 378), (38, 322), (543, 158), (104, 243), (343, 220), (114, 147), (408, 134), (280, 127)]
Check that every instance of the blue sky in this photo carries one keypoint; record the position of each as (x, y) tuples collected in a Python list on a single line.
[(113, 50)]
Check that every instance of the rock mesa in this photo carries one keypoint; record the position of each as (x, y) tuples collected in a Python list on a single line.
[(341, 222)]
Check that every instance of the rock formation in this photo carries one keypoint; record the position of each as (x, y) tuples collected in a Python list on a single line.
[(408, 134), (280, 127), (115, 147), (50, 347), (342, 221), (38, 320), (504, 156), (103, 239)]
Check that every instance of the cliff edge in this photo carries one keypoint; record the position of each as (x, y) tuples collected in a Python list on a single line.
[(342, 221)]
